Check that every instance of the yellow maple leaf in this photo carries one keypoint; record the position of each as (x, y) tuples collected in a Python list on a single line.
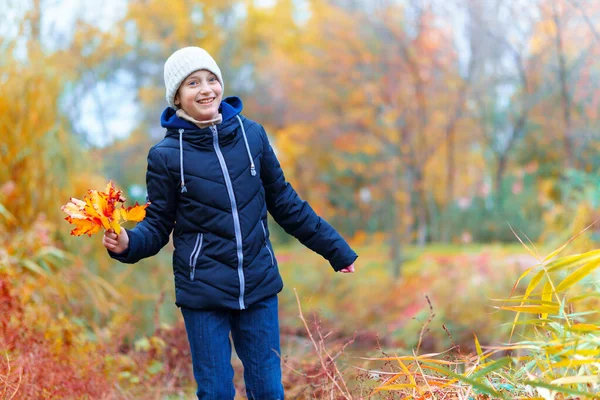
[(116, 226), (123, 213)]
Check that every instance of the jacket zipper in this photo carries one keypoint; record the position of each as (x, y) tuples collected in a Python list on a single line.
[(267, 244), (236, 217), (194, 257)]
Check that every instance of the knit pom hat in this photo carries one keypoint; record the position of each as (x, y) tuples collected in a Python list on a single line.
[(184, 62)]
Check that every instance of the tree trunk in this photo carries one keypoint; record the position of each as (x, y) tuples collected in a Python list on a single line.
[(35, 21), (421, 207), (450, 173), (502, 160), (396, 218), (564, 91)]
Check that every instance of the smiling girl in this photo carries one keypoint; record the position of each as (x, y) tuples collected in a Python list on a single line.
[(211, 181)]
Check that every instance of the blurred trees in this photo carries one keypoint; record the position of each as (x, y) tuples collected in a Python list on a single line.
[(417, 121), (425, 120)]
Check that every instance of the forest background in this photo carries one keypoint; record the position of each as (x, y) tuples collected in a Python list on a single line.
[(434, 135)]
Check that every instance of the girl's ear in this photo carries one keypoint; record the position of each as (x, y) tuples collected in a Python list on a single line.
[(177, 99)]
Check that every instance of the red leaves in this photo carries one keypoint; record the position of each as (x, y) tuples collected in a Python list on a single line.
[(100, 210)]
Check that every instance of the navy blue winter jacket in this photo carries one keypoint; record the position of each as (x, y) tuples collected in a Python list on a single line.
[(214, 186)]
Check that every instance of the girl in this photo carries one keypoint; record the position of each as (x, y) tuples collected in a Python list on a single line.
[(212, 180)]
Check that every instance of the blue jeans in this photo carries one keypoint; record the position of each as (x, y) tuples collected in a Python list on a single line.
[(255, 333)]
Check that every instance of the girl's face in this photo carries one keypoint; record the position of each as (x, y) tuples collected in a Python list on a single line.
[(200, 95)]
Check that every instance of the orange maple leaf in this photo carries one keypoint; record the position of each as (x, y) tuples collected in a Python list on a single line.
[(135, 213), (100, 210)]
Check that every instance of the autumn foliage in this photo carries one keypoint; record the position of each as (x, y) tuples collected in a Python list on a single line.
[(422, 142), (45, 365), (100, 210)]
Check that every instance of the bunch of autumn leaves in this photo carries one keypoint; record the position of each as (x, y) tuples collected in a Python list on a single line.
[(100, 210)]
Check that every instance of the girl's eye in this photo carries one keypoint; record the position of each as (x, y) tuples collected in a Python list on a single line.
[(192, 83), (212, 79)]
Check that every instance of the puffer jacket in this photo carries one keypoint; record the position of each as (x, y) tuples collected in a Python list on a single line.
[(213, 187)]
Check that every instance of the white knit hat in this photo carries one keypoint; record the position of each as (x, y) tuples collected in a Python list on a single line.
[(184, 62)]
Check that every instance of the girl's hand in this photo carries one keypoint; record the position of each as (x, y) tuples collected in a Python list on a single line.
[(116, 243), (348, 269)]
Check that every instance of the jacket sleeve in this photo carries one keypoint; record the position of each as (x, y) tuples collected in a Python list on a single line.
[(152, 233), (297, 217)]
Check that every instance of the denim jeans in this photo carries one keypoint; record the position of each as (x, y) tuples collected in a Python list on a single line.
[(255, 334)]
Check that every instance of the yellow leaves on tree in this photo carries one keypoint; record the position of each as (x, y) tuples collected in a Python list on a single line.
[(99, 210)]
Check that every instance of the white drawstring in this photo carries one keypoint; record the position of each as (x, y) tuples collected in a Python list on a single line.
[(252, 168), (183, 188)]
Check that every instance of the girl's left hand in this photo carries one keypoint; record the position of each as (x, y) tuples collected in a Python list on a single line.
[(348, 269)]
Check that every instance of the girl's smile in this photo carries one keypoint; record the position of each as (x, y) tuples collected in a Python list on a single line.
[(206, 101)]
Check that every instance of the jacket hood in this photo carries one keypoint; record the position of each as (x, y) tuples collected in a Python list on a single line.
[(229, 108)]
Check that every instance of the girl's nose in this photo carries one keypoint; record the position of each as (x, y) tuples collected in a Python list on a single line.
[(204, 87)]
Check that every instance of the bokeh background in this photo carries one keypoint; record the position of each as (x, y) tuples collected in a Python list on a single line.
[(433, 134)]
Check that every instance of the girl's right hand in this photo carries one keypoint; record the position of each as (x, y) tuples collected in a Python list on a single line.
[(116, 243)]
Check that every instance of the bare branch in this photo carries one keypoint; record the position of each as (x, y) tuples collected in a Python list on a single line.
[(586, 17), (332, 378)]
